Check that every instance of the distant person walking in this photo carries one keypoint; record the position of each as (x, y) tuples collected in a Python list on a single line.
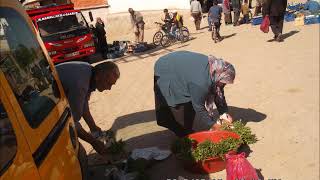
[(227, 12), (276, 9), (258, 8), (215, 13), (236, 6), (245, 12), (101, 36), (196, 13), (138, 25)]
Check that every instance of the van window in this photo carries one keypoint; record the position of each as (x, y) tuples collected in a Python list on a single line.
[(26, 68), (8, 142)]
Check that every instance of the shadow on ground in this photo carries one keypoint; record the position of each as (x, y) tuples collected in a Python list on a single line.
[(132, 119), (289, 34), (286, 35), (205, 27), (261, 177), (244, 114), (169, 168), (229, 36)]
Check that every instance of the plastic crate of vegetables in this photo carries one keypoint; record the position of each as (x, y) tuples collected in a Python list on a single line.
[(204, 152)]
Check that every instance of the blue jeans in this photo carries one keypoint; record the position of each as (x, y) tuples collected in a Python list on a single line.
[(173, 30), (209, 22)]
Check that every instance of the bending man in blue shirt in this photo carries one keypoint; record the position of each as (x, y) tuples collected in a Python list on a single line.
[(79, 80)]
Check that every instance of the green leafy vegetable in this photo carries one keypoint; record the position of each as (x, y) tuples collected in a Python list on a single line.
[(116, 147), (182, 148), (208, 149), (244, 132)]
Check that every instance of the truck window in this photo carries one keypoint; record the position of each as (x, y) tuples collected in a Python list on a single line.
[(56, 27), (26, 69), (8, 142)]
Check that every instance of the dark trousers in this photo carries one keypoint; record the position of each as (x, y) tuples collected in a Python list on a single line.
[(276, 24), (227, 18), (170, 117), (246, 19), (217, 27), (236, 15), (209, 22), (102, 44)]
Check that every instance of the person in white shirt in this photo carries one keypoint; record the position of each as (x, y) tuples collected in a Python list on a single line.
[(196, 13)]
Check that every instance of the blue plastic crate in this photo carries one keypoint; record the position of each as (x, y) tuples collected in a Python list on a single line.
[(257, 20), (295, 7), (288, 17), (312, 20)]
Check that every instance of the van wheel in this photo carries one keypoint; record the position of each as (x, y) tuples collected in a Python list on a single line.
[(83, 160)]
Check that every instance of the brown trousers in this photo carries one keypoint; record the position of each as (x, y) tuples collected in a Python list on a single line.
[(197, 19), (139, 33)]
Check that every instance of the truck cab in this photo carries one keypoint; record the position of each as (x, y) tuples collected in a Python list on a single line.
[(37, 133), (64, 31)]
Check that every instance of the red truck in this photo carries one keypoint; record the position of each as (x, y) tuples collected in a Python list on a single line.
[(64, 31)]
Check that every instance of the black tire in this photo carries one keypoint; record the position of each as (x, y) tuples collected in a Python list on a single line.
[(157, 38), (165, 41), (184, 28), (184, 36)]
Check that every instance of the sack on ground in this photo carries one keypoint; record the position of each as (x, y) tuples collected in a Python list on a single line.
[(238, 167)]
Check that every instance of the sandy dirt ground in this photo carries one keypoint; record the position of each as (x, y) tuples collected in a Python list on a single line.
[(276, 92)]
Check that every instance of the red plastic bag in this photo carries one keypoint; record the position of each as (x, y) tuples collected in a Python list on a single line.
[(264, 27), (239, 168)]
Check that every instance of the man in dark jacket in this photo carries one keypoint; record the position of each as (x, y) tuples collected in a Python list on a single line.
[(236, 5), (276, 9), (101, 35)]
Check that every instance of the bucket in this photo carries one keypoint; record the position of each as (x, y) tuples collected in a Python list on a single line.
[(213, 164)]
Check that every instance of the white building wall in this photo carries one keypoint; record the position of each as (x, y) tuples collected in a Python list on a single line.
[(117, 6), (117, 18)]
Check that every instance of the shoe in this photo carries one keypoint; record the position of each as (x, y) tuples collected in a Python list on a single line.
[(279, 38)]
